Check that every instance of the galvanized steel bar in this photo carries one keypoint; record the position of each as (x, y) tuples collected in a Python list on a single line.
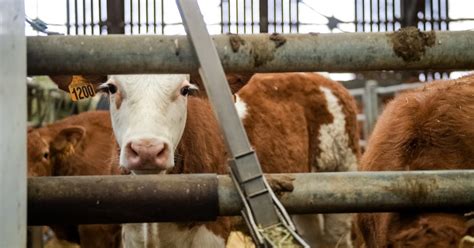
[(122, 199), (12, 124), (122, 54), (116, 199)]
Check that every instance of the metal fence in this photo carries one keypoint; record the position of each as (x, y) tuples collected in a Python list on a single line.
[(254, 16), (390, 15)]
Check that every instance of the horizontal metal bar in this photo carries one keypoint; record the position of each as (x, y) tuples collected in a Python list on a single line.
[(147, 198), (120, 199), (395, 88), (122, 54), (357, 92)]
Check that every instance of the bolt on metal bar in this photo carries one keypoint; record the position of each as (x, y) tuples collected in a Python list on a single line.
[(203, 197), (122, 54), (263, 211)]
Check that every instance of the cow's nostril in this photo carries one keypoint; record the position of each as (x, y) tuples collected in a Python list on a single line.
[(162, 151), (132, 151)]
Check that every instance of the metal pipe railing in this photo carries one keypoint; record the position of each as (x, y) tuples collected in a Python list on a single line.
[(149, 198), (121, 54)]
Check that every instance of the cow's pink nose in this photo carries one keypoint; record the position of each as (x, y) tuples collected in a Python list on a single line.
[(147, 154)]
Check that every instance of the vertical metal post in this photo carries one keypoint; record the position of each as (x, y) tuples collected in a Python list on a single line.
[(92, 16), (371, 18), (371, 108), (139, 17), (237, 16), (222, 16), (263, 16), (115, 16), (68, 18), (356, 19), (84, 25), (154, 16), (76, 17), (101, 23), (386, 15), (146, 16), (12, 124), (131, 16), (363, 15)]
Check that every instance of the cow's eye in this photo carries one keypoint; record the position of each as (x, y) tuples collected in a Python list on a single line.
[(46, 155), (188, 89), (185, 90), (108, 88), (112, 88)]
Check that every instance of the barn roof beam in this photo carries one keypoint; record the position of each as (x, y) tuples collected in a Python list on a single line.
[(120, 54), (201, 197)]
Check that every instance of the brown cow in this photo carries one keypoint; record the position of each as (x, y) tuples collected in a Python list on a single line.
[(429, 128), (78, 145), (297, 122)]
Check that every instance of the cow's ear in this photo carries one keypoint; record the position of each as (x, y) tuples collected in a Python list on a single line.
[(68, 138), (63, 81)]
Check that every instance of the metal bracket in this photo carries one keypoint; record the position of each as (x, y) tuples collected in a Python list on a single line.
[(266, 217)]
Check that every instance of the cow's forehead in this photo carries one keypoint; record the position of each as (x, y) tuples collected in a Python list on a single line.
[(161, 81)]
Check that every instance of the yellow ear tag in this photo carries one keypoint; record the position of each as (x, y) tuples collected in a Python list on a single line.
[(80, 89)]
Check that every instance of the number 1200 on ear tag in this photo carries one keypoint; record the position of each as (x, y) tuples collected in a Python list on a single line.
[(80, 89)]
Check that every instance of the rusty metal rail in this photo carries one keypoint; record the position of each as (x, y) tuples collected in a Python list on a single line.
[(149, 198), (119, 54)]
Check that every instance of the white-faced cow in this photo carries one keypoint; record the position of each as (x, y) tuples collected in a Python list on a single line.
[(430, 128), (296, 122)]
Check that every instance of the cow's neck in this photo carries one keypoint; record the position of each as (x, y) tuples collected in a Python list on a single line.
[(201, 149)]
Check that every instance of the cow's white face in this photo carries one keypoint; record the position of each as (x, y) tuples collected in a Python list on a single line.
[(148, 117)]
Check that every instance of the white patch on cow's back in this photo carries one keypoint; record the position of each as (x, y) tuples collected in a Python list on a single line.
[(336, 155), (241, 107), (173, 236)]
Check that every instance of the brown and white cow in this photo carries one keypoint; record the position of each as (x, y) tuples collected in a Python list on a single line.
[(296, 122), (78, 145), (429, 128)]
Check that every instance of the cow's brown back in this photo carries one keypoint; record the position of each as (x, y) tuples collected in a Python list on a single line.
[(284, 116), (429, 128)]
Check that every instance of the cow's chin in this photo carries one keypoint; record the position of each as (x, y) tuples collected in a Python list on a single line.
[(148, 172)]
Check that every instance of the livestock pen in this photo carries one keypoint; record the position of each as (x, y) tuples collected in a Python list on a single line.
[(445, 50)]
